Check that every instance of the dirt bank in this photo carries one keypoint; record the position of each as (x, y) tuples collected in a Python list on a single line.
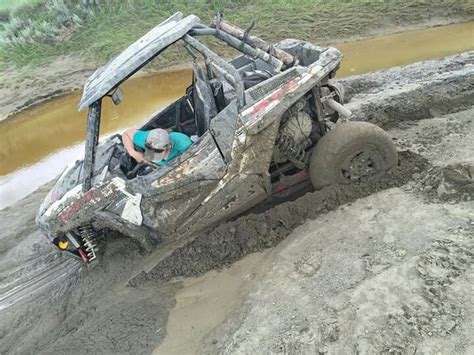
[(373, 271)]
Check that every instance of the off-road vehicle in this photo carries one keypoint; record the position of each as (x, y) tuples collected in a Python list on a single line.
[(266, 122)]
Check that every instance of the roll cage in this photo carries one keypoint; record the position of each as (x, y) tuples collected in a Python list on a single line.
[(214, 63)]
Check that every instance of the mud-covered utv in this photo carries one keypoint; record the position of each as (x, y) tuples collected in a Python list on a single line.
[(263, 122)]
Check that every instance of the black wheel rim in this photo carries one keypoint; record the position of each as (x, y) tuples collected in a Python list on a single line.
[(362, 166)]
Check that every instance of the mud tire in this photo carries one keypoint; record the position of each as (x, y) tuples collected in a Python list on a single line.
[(332, 160)]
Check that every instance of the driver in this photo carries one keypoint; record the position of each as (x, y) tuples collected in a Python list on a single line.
[(156, 146)]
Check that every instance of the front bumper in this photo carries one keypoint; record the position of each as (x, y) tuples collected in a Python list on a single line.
[(74, 222)]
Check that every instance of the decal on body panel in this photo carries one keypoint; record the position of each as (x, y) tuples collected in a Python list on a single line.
[(131, 211)]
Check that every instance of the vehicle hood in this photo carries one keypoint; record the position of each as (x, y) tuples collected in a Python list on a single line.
[(135, 57)]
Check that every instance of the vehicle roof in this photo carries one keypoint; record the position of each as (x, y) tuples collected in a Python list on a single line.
[(132, 59)]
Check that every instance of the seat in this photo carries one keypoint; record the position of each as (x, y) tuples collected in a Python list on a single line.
[(204, 102), (254, 77)]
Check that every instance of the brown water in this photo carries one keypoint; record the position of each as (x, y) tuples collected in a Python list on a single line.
[(37, 143), (46, 128), (404, 48), (205, 302)]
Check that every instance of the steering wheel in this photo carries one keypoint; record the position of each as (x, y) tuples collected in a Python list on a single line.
[(139, 170)]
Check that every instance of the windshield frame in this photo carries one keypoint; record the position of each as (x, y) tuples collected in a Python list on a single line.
[(92, 138)]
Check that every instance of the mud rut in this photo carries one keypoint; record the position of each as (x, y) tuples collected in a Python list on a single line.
[(252, 233), (112, 308)]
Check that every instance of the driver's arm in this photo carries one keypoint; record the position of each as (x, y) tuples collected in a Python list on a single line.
[(127, 139)]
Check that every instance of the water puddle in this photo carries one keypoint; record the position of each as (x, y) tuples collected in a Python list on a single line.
[(38, 143), (404, 48), (206, 301)]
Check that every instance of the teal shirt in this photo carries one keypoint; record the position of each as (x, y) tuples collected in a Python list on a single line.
[(179, 144)]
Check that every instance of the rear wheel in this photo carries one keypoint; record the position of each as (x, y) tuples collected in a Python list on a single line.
[(352, 152)]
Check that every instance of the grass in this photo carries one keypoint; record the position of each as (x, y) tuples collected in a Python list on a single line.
[(13, 4), (98, 29)]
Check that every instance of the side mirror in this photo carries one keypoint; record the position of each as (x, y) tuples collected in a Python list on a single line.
[(117, 96)]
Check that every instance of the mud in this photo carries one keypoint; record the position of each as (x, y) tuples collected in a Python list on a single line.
[(445, 140), (438, 268), (378, 288), (88, 309), (388, 273), (373, 268), (231, 241), (454, 183)]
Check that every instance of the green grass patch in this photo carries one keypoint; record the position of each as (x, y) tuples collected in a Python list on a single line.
[(99, 29), (12, 5)]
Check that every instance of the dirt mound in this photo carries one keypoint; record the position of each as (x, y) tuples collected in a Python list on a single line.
[(251, 233)]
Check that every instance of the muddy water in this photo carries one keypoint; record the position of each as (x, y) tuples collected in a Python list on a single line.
[(207, 301), (38, 143), (404, 48), (47, 128)]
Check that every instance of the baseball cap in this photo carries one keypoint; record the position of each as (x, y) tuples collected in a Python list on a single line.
[(157, 141)]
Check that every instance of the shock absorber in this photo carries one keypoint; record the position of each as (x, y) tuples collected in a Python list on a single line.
[(89, 240)]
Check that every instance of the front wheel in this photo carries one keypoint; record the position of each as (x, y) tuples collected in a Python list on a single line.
[(352, 152)]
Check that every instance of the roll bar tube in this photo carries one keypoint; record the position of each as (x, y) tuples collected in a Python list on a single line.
[(254, 41), (231, 74), (92, 138), (239, 45)]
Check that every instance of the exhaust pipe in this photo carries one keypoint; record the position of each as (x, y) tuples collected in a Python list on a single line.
[(336, 106)]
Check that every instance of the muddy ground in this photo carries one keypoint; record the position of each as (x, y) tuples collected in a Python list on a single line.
[(380, 267)]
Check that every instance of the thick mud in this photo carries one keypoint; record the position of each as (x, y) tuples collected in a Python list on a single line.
[(437, 270), (255, 232), (51, 305), (454, 183), (83, 310)]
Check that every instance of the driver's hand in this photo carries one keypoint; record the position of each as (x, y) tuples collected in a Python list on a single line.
[(147, 162)]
